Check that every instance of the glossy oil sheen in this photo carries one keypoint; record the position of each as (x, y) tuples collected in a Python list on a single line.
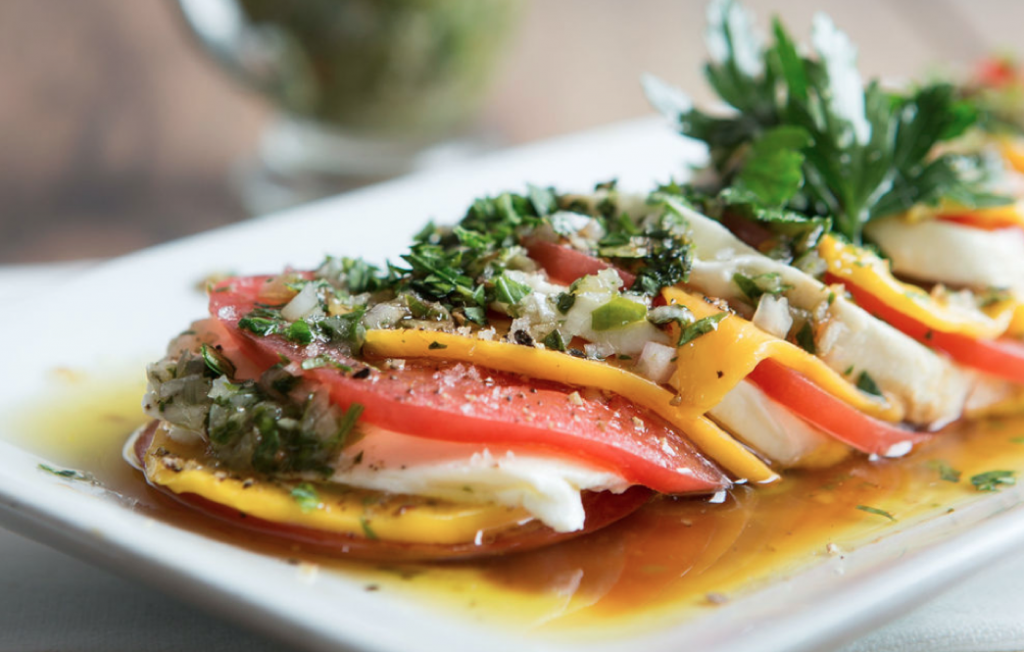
[(673, 560)]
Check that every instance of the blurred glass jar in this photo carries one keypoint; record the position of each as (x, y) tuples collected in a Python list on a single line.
[(366, 89)]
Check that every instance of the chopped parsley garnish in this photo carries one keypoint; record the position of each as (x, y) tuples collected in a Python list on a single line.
[(543, 200), (299, 332), (69, 474), (554, 340), (700, 327), (876, 511), (946, 472), (673, 312), (324, 361), (754, 287), (993, 480), (262, 321), (510, 291), (306, 496), (368, 532), (867, 384), (565, 301), (434, 346), (805, 339), (216, 362)]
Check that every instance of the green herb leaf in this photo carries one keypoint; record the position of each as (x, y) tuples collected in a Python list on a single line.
[(700, 327), (306, 496), (773, 171), (434, 346), (565, 301), (259, 325), (510, 291), (946, 472), (805, 339), (324, 361), (554, 341), (299, 332), (876, 511), (808, 136), (69, 474), (543, 200), (867, 384), (993, 480), (367, 530), (216, 362), (754, 287)]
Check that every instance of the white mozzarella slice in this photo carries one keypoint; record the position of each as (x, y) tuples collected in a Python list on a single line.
[(767, 426), (547, 487), (930, 387), (952, 254)]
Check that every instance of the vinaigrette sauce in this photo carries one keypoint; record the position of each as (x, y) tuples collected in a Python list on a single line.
[(671, 561)]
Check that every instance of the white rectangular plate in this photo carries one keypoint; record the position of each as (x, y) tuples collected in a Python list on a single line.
[(126, 310)]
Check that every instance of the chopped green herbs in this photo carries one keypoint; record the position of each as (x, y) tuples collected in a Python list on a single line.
[(543, 200), (700, 327), (306, 496), (565, 301), (324, 361), (617, 313), (299, 332), (257, 324), (671, 313), (946, 472), (993, 480), (876, 511), (255, 425), (554, 340), (805, 339), (867, 384), (434, 346), (216, 362), (754, 287), (510, 291), (368, 532), (69, 474), (808, 138)]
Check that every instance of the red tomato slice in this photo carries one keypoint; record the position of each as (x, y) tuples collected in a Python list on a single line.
[(464, 402), (564, 264), (602, 509), (996, 72), (819, 408), (973, 222), (787, 387), (1003, 358)]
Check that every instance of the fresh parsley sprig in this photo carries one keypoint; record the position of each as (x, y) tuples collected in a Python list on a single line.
[(808, 137)]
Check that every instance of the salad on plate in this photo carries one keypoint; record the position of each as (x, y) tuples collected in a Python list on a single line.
[(844, 278)]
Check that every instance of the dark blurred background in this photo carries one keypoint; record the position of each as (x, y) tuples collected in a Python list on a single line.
[(116, 132)]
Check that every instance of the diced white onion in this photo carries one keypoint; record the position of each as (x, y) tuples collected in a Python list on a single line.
[(656, 362), (384, 315), (772, 315), (302, 304)]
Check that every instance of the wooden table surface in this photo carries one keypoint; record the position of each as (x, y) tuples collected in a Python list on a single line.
[(116, 133)]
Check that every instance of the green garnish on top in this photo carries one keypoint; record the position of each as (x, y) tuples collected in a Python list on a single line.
[(994, 480), (876, 511), (808, 139)]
